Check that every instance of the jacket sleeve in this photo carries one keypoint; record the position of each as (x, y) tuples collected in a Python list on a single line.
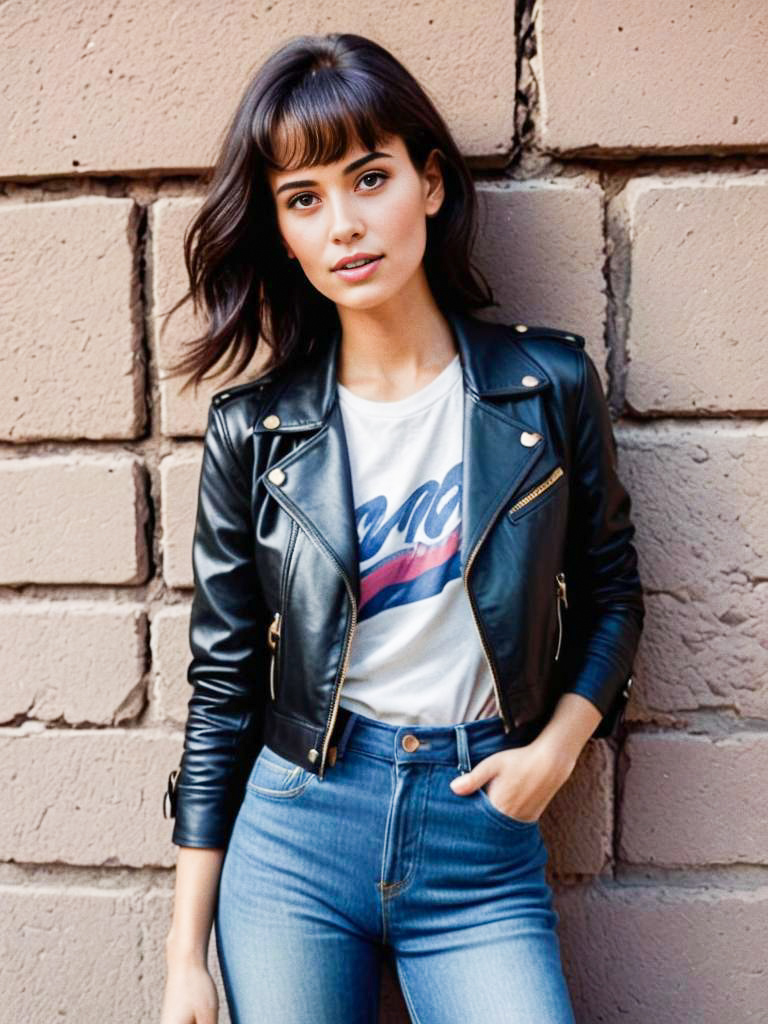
[(605, 598), (227, 639)]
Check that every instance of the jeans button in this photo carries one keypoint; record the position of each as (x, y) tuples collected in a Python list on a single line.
[(411, 742)]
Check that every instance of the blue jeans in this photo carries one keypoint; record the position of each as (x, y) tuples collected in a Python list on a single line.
[(321, 875)]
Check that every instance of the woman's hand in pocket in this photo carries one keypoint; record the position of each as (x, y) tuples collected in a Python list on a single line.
[(521, 780)]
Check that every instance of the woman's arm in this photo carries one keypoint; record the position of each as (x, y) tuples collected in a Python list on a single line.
[(572, 723), (197, 878), (228, 672), (190, 995), (230, 657), (606, 608)]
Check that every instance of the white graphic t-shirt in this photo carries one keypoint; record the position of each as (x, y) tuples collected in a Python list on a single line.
[(416, 656)]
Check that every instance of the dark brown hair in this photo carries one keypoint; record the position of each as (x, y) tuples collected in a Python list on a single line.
[(324, 93)]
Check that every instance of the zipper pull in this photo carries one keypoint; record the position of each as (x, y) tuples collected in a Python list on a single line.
[(274, 631), (561, 594), (273, 634), (561, 588)]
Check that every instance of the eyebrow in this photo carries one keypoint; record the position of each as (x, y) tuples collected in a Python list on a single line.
[(308, 182)]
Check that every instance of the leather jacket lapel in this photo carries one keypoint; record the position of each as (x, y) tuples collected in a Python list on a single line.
[(502, 442), (496, 461)]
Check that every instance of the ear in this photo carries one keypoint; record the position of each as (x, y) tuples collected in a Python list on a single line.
[(434, 184)]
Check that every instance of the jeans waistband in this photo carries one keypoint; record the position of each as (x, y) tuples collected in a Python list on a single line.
[(460, 745)]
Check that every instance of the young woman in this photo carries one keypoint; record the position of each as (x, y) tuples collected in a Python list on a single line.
[(416, 594)]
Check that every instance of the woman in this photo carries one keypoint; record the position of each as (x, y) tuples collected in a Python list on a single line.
[(416, 596)]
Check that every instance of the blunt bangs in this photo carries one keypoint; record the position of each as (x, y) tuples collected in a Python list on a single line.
[(325, 113)]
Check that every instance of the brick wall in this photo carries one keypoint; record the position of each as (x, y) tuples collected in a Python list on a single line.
[(621, 155)]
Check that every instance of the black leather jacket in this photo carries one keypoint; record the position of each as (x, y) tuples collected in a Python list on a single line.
[(546, 554)]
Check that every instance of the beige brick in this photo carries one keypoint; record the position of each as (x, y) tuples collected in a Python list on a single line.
[(541, 250), (77, 661), (147, 88), (695, 800), (702, 540), (70, 366), (72, 951), (87, 796), (577, 825), (170, 659), (180, 477), (181, 414), (698, 498), (667, 954), (699, 251), (622, 77), (73, 519), (708, 653)]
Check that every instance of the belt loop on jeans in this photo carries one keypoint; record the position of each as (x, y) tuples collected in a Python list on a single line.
[(340, 733), (464, 765), (348, 726)]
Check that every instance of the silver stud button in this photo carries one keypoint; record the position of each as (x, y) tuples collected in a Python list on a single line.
[(529, 438), (521, 328), (276, 476), (529, 381), (272, 421), (313, 755)]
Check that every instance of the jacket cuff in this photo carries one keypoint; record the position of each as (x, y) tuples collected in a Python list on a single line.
[(205, 820)]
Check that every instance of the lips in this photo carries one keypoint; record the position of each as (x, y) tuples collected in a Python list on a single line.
[(343, 263)]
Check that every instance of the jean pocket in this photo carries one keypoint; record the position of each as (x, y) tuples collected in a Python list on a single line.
[(273, 775), (483, 801)]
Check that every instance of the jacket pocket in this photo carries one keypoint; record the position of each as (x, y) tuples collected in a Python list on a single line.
[(537, 494)]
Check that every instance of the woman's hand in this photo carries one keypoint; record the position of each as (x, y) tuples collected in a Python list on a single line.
[(522, 780), (190, 995)]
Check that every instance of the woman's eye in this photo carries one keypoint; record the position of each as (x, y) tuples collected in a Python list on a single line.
[(295, 200), (373, 174)]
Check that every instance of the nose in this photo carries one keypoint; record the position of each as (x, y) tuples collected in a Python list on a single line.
[(345, 220)]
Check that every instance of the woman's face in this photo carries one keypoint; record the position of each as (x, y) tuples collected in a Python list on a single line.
[(372, 203)]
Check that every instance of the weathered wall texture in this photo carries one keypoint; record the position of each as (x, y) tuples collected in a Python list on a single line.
[(621, 152)]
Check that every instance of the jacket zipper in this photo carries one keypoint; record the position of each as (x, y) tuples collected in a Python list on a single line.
[(465, 577), (562, 597), (553, 477)]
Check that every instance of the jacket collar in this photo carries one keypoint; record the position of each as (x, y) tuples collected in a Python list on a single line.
[(493, 362), (504, 437)]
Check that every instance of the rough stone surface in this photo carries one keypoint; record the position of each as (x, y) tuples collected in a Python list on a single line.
[(672, 786), (76, 518), (699, 305), (618, 78), (70, 366), (73, 661), (665, 953)]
